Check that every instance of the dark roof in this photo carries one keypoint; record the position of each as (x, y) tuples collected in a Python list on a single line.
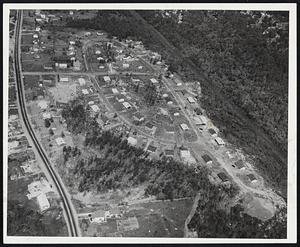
[(170, 128), (251, 177), (223, 176), (206, 158), (138, 115), (169, 152), (239, 164), (212, 131), (149, 125), (151, 148)]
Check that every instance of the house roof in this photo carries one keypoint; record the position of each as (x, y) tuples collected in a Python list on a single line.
[(169, 152), (251, 177), (149, 125), (170, 128), (206, 158), (212, 131), (138, 115), (239, 164), (223, 176), (151, 148)]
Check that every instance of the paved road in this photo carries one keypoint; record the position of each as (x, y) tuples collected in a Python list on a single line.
[(69, 211), (81, 73)]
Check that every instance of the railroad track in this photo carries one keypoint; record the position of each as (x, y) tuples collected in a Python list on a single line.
[(71, 218)]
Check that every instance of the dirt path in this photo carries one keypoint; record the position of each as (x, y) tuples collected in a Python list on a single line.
[(187, 232)]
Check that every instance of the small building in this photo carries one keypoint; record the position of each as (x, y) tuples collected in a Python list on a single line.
[(71, 42), (252, 178), (63, 79), (43, 202), (85, 91), (132, 141), (149, 126), (106, 78), (169, 153), (60, 141), (198, 121), (126, 105), (81, 81), (95, 108), (97, 52), (46, 115), (151, 148), (240, 165), (99, 216), (187, 157), (207, 159), (176, 114), (138, 117), (76, 64), (219, 141), (153, 80), (212, 132), (191, 100), (125, 65), (170, 129), (115, 91), (35, 36), (184, 127), (223, 177)]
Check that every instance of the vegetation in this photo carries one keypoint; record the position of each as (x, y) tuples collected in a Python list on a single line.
[(241, 61)]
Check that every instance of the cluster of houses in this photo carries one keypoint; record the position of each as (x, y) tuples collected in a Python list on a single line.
[(101, 216)]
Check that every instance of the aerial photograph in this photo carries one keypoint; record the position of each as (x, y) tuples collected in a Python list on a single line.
[(147, 123)]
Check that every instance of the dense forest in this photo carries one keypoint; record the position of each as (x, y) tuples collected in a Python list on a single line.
[(241, 61)]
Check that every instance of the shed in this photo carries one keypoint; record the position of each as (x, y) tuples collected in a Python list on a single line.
[(219, 141), (126, 105), (223, 177), (207, 159), (184, 127)]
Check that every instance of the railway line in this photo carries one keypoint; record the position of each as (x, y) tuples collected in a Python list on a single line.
[(70, 213)]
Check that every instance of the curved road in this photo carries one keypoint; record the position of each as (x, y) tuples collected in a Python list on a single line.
[(70, 213)]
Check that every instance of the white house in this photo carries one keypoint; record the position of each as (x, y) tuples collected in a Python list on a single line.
[(43, 202), (46, 115), (85, 91), (184, 127), (187, 157), (153, 80), (63, 79), (106, 78), (60, 141), (115, 91), (95, 108), (132, 141), (219, 141), (81, 81), (191, 100), (126, 105)]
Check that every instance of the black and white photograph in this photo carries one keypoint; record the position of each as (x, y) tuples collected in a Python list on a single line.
[(144, 123)]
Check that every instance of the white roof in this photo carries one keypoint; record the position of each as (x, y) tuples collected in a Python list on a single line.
[(126, 104), (85, 91), (114, 90), (132, 141), (46, 115), (43, 104), (187, 157), (43, 202), (106, 78), (63, 78), (81, 81), (220, 141), (95, 108), (176, 114), (191, 99), (184, 126), (60, 141), (91, 102), (125, 65), (153, 80)]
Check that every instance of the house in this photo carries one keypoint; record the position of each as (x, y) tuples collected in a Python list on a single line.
[(106, 78), (198, 121), (151, 149), (252, 178), (35, 36), (153, 80), (169, 153), (43, 104), (46, 115), (223, 177), (187, 157), (191, 100), (63, 79), (207, 159), (71, 42), (138, 117), (85, 91), (176, 114), (115, 91), (99, 216), (149, 126), (87, 34), (81, 81), (170, 129), (212, 132), (126, 105), (240, 165), (95, 108), (125, 65), (184, 127), (76, 64), (43, 202), (97, 52), (132, 141), (219, 141), (60, 141)]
